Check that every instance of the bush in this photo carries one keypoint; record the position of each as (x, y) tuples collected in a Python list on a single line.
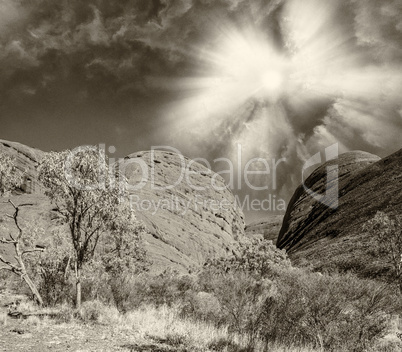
[(262, 297), (255, 257), (255, 294), (51, 270), (387, 230), (65, 314), (202, 306), (242, 284), (96, 311), (336, 313), (242, 299)]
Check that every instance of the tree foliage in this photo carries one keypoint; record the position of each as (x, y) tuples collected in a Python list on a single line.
[(90, 197), (253, 256), (10, 176), (52, 268), (122, 250), (388, 231)]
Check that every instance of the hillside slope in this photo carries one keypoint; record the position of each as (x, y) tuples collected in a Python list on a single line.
[(268, 228), (27, 160), (188, 220), (329, 238), (185, 225)]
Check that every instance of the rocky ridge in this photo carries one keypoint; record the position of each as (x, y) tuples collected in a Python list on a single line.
[(334, 238), (186, 223), (267, 228), (27, 160), (188, 220)]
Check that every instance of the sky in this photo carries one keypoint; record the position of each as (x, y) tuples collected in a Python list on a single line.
[(281, 79)]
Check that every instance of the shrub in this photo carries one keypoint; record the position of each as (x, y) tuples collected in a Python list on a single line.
[(387, 230), (51, 270), (65, 314), (202, 306), (242, 299), (96, 282), (262, 297), (336, 313), (96, 311), (255, 257)]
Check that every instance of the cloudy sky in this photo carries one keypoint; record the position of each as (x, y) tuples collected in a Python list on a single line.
[(284, 79)]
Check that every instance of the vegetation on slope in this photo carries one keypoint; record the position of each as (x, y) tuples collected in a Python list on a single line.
[(251, 301)]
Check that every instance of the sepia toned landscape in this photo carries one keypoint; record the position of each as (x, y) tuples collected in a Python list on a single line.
[(201, 176)]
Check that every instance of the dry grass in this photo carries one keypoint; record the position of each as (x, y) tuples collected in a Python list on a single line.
[(149, 325), (165, 326)]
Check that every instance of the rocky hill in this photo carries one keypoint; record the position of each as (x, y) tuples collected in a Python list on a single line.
[(27, 160), (186, 223), (328, 238), (267, 228), (195, 219)]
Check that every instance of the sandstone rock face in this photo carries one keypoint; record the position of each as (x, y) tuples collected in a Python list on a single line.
[(189, 211), (330, 238), (27, 160), (187, 221), (268, 228)]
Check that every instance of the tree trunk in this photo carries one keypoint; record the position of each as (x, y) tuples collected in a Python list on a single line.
[(78, 287), (25, 276), (21, 270), (33, 289)]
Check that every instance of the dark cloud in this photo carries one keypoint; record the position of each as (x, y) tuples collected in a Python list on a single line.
[(77, 72), (378, 27), (100, 45)]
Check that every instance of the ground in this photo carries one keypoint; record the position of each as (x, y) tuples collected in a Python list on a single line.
[(35, 334), (24, 336)]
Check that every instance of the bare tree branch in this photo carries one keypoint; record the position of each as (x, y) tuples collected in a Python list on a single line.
[(4, 241), (33, 250), (12, 266), (20, 205)]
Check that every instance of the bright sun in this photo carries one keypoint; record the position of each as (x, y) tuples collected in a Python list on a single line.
[(272, 82), (242, 68), (252, 64)]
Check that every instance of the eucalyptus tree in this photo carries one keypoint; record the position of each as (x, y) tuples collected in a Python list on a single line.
[(91, 198)]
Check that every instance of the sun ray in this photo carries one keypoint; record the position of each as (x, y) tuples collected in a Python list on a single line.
[(320, 65)]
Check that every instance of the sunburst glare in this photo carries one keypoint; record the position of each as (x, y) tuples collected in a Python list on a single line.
[(317, 64)]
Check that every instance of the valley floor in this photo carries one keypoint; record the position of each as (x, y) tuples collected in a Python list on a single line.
[(23, 336), (34, 335)]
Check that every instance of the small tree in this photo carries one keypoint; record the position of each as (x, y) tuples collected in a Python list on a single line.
[(121, 254), (255, 257), (388, 231), (90, 197), (52, 269), (10, 179), (243, 284)]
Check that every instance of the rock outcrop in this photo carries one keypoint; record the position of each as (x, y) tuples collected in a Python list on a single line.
[(187, 221), (268, 228), (189, 211), (334, 238), (27, 160)]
